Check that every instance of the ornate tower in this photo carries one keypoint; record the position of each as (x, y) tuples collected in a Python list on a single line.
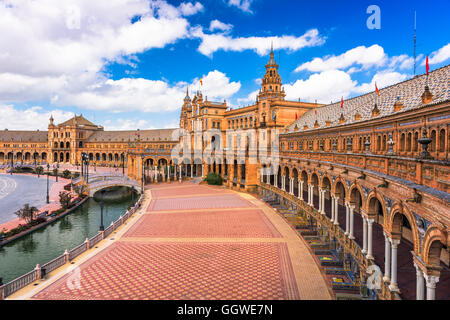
[(186, 111), (271, 82)]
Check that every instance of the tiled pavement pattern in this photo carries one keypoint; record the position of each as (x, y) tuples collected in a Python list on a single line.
[(183, 271), (202, 202), (408, 92), (246, 252), (211, 224)]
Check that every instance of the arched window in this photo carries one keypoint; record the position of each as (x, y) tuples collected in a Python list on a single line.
[(415, 143), (408, 142), (442, 140), (402, 142), (433, 141)]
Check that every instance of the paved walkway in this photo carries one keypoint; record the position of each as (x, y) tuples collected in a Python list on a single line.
[(194, 242), (55, 188)]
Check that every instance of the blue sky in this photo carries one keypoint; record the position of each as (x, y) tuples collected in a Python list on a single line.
[(126, 64)]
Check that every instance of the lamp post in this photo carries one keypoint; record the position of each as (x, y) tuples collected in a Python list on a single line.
[(87, 169), (34, 156), (12, 161), (82, 164), (48, 172), (123, 164), (142, 175), (102, 228)]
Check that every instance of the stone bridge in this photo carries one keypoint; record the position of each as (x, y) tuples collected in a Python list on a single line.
[(99, 182)]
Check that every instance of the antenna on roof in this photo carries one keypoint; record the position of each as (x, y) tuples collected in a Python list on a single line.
[(415, 42)]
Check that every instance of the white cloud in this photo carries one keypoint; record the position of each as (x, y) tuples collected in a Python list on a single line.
[(189, 9), (59, 48), (403, 62), (250, 99), (32, 118), (364, 56), (440, 55), (325, 86), (261, 45), (216, 85), (133, 124), (138, 94), (218, 25), (243, 5), (383, 79)]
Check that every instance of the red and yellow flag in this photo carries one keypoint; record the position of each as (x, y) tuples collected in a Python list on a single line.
[(296, 116), (428, 66), (201, 81), (376, 89), (342, 102)]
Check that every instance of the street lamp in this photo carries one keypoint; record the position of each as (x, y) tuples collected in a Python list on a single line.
[(102, 228), (57, 166), (48, 172), (123, 164), (12, 161), (142, 175)]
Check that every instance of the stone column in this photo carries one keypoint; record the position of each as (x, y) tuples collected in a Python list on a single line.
[(275, 181), (300, 187), (332, 208), (347, 219), (336, 211), (180, 173), (364, 250), (310, 195), (394, 286), (156, 174), (431, 286), (192, 170), (203, 171), (387, 259), (420, 288), (322, 202), (351, 208), (370, 238), (283, 182), (292, 186)]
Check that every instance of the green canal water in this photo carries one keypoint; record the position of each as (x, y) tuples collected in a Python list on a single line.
[(22, 255)]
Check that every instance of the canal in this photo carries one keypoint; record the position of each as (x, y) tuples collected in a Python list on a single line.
[(41, 246)]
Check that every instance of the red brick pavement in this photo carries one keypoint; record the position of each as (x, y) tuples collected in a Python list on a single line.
[(203, 202), (177, 271), (186, 190), (211, 224)]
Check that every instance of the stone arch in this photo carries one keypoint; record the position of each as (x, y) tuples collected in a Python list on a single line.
[(371, 204), (339, 181), (396, 224), (433, 241), (353, 196)]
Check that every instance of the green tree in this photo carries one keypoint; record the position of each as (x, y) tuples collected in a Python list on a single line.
[(64, 199), (27, 213), (66, 174), (79, 189), (39, 170)]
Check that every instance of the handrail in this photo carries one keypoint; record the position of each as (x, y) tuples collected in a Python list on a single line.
[(28, 278)]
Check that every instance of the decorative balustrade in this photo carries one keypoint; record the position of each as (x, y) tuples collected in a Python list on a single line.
[(19, 283), (431, 173), (54, 264), (75, 252), (338, 233), (30, 277)]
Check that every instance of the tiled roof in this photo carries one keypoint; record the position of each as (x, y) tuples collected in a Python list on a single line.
[(77, 120), (124, 136), (23, 136), (409, 93)]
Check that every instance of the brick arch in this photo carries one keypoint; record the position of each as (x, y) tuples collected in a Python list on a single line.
[(283, 169), (307, 175), (342, 181), (361, 192), (329, 179), (432, 235), (314, 173), (150, 158), (292, 172), (399, 209), (374, 194)]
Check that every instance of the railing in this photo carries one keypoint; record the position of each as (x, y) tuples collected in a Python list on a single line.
[(30, 277), (54, 264), (19, 283), (349, 245)]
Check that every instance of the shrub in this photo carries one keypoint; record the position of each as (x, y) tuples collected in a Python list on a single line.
[(64, 199), (66, 174), (214, 179)]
